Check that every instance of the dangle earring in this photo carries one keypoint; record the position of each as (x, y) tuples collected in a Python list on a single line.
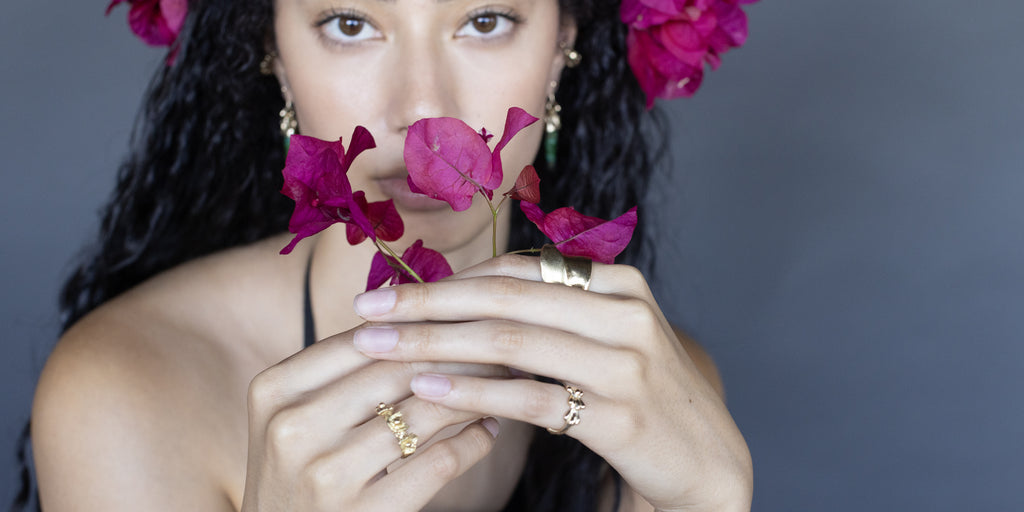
[(288, 122), (572, 57), (267, 64), (552, 124)]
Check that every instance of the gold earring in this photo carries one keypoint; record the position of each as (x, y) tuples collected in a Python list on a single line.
[(267, 64), (552, 124), (572, 57), (289, 123)]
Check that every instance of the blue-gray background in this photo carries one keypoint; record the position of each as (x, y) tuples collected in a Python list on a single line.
[(844, 232)]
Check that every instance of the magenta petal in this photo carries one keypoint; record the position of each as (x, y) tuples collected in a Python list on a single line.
[(361, 141), (448, 160), (515, 120), (428, 263), (353, 232), (380, 272), (113, 4), (527, 186), (412, 186), (683, 41), (174, 12), (387, 223), (307, 157), (315, 178), (145, 20), (639, 43), (576, 234)]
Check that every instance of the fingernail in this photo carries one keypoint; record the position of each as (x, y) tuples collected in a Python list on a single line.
[(374, 302), (376, 338), (430, 385), (491, 425)]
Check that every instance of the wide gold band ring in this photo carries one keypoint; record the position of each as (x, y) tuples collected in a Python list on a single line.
[(567, 270), (572, 416), (407, 441)]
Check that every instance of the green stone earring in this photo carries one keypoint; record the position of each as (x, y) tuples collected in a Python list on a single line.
[(552, 124)]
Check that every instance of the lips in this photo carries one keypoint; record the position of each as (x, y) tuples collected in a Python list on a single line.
[(397, 188)]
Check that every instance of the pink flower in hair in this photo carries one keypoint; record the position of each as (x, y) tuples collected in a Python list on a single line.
[(157, 22), (670, 41)]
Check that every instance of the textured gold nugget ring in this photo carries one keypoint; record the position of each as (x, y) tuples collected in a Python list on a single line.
[(567, 270), (572, 416), (407, 441)]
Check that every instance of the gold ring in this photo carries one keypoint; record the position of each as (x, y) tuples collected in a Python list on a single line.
[(572, 416), (567, 270), (407, 441)]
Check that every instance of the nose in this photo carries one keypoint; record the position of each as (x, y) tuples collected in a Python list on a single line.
[(419, 83)]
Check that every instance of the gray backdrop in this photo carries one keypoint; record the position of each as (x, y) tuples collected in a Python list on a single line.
[(842, 231)]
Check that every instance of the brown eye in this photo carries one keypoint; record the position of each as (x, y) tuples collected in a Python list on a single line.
[(485, 24), (351, 26)]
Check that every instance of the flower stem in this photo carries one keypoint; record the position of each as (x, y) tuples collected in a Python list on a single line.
[(525, 251), (383, 247), (494, 225)]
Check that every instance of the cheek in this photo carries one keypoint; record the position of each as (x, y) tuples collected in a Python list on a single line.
[(329, 89)]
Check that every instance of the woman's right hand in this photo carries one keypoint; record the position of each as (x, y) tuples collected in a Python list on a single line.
[(315, 442)]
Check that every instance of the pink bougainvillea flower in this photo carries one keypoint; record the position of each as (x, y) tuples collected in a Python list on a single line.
[(576, 234), (157, 22), (486, 135), (527, 186), (670, 41), (383, 216), (450, 161), (428, 263), (315, 176)]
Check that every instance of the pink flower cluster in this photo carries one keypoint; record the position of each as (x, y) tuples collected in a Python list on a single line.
[(157, 22), (670, 41), (446, 160)]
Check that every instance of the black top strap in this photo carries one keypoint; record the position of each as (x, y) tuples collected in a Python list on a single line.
[(308, 327)]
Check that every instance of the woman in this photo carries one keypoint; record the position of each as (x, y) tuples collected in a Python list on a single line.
[(184, 380)]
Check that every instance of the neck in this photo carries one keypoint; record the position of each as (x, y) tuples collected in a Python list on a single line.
[(338, 272)]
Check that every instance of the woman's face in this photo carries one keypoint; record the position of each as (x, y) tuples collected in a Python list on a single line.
[(384, 64)]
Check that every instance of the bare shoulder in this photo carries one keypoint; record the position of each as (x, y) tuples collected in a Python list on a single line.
[(141, 404)]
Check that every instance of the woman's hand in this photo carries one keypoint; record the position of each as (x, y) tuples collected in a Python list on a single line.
[(316, 444), (649, 411)]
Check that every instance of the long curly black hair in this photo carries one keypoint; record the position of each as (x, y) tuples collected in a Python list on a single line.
[(205, 167)]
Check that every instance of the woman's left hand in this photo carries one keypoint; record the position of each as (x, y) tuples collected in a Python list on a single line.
[(649, 411)]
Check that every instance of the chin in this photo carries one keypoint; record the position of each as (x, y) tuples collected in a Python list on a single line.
[(446, 231)]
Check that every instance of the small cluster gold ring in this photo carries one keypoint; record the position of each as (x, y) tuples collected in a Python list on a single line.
[(567, 270), (407, 441), (572, 416)]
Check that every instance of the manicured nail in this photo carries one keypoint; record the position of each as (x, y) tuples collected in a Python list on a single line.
[(430, 385), (491, 425), (376, 338), (374, 302)]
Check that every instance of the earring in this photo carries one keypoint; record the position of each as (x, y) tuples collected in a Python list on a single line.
[(289, 123), (552, 124), (267, 64), (572, 57)]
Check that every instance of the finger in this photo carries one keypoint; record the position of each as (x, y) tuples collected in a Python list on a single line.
[(371, 447), (608, 279), (350, 401), (413, 485), (315, 366), (538, 403), (593, 315), (525, 347)]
